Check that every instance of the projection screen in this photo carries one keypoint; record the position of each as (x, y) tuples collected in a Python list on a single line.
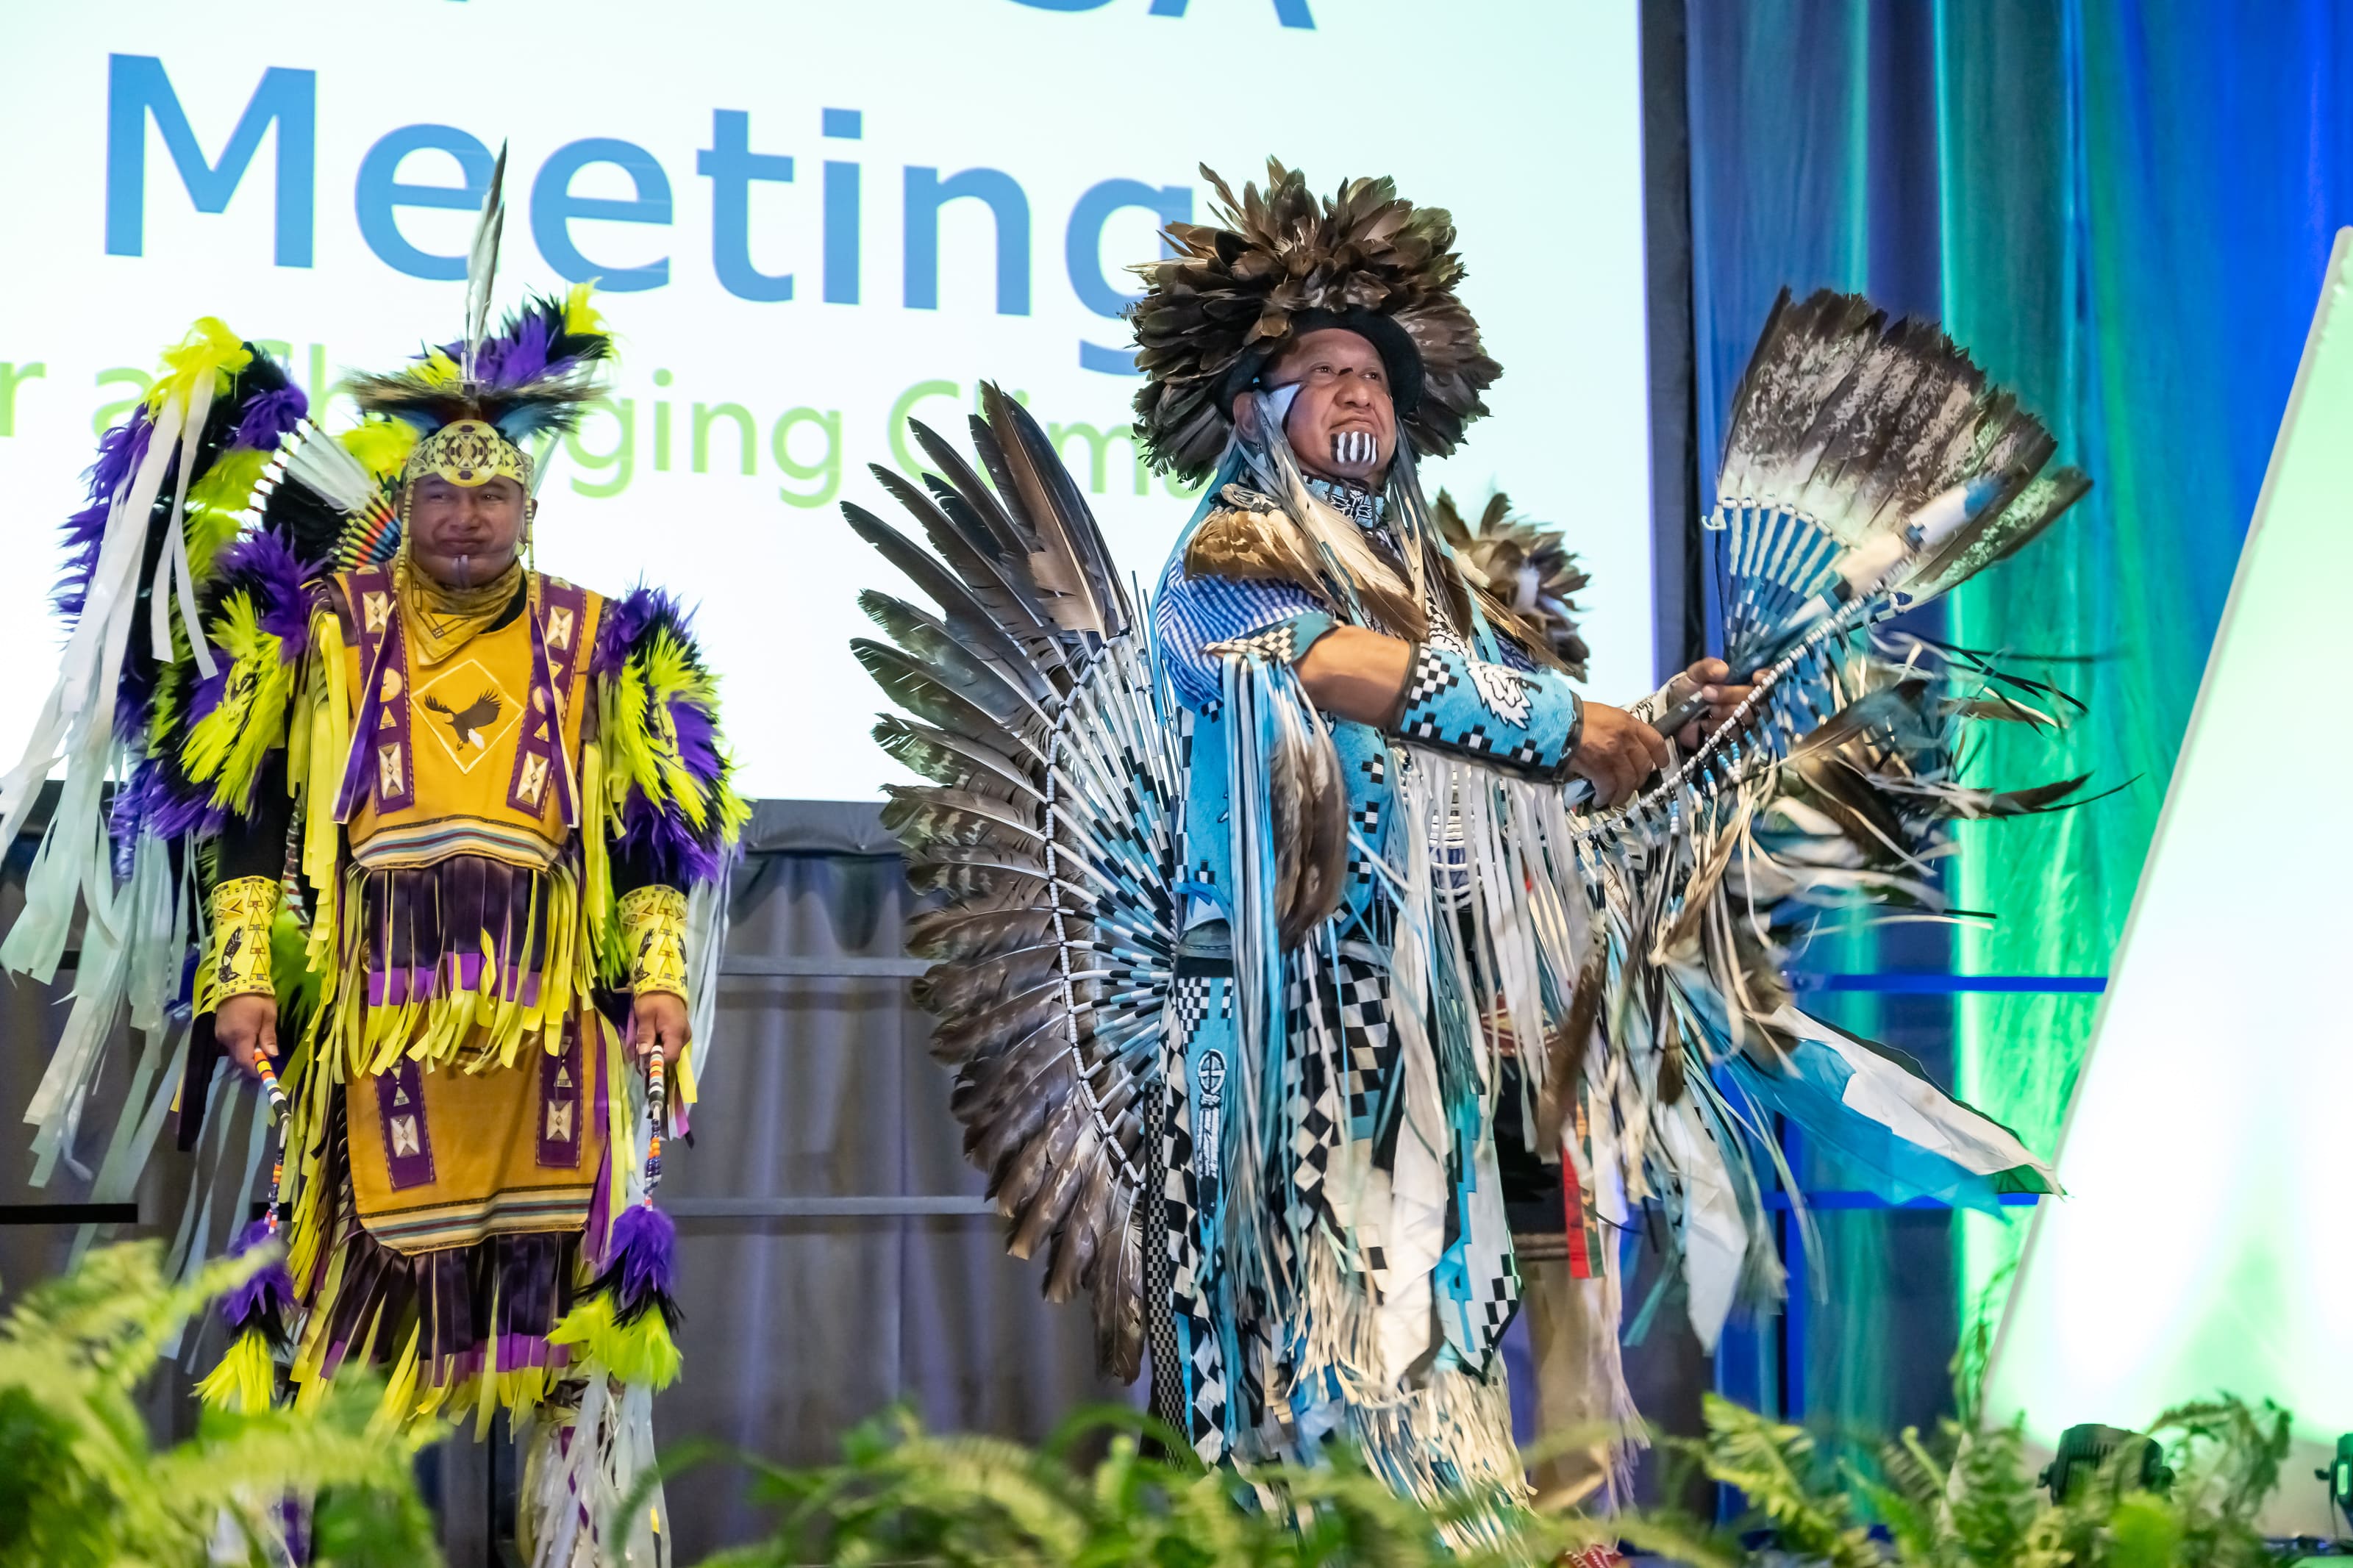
[(809, 221)]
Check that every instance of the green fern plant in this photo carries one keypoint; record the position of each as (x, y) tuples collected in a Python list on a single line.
[(903, 1495), (1968, 1497), (84, 1486)]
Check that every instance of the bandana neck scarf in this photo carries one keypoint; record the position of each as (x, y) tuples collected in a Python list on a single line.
[(1367, 509), (438, 619)]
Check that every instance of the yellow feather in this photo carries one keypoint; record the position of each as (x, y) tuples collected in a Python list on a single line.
[(227, 746), (227, 485), (579, 315), (438, 369), (246, 1381), (381, 445), (209, 349), (643, 1354)]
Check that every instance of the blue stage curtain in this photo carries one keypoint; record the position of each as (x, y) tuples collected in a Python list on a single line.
[(2123, 209)]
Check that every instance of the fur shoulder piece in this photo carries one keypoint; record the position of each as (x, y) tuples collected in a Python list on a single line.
[(672, 802)]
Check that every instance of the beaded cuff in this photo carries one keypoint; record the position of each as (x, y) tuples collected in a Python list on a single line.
[(237, 963), (653, 928), (1526, 720)]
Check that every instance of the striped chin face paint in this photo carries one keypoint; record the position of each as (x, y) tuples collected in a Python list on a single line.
[(1353, 447)]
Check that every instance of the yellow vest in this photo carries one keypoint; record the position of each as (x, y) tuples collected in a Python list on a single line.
[(478, 754)]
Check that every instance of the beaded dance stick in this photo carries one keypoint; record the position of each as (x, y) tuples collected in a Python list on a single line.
[(656, 1113), (280, 1113)]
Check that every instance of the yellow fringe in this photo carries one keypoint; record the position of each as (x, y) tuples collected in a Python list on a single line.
[(605, 955), (476, 1029), (327, 748), (621, 1135)]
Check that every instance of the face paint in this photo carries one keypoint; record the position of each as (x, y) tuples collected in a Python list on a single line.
[(1279, 399), (1353, 447)]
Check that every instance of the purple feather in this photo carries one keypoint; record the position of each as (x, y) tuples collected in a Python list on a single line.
[(643, 1262), (661, 842), (698, 739), (264, 566), (119, 454), (657, 837), (120, 451), (510, 362), (175, 808), (263, 1300), (128, 813), (268, 416), (628, 621)]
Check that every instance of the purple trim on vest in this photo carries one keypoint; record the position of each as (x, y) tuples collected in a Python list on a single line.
[(380, 750), (561, 1103), (407, 1142), (539, 761)]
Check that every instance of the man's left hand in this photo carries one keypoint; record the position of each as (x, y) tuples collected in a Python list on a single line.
[(661, 1022), (1710, 678)]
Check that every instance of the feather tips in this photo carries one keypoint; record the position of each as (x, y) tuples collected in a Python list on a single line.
[(1854, 425)]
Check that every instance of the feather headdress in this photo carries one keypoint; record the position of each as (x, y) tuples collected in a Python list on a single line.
[(475, 402), (530, 378), (1282, 262)]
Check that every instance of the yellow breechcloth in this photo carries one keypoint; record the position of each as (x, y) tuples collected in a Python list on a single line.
[(442, 1157)]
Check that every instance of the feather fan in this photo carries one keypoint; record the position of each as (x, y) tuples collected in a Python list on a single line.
[(1050, 850)]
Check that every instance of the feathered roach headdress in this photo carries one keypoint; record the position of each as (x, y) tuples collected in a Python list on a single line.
[(475, 402), (1282, 263)]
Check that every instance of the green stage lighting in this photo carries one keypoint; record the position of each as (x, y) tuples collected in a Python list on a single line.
[(2204, 1153)]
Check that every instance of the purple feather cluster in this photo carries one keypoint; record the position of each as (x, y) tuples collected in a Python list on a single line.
[(643, 1265), (175, 808), (120, 451), (268, 416), (530, 345), (265, 1299), (262, 567), (630, 620), (672, 853), (652, 834), (516, 355)]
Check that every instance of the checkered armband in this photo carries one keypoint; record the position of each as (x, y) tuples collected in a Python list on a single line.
[(1526, 720), (237, 961), (653, 928), (1284, 642)]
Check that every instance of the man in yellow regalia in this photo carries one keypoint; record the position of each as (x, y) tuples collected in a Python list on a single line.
[(438, 818)]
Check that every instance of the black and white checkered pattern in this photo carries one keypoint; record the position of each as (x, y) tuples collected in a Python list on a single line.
[(1275, 643), (1196, 1401), (1433, 677), (1497, 1301), (1363, 1003), (1159, 1313)]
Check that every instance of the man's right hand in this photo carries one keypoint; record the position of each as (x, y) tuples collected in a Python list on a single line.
[(1617, 751), (247, 1025)]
